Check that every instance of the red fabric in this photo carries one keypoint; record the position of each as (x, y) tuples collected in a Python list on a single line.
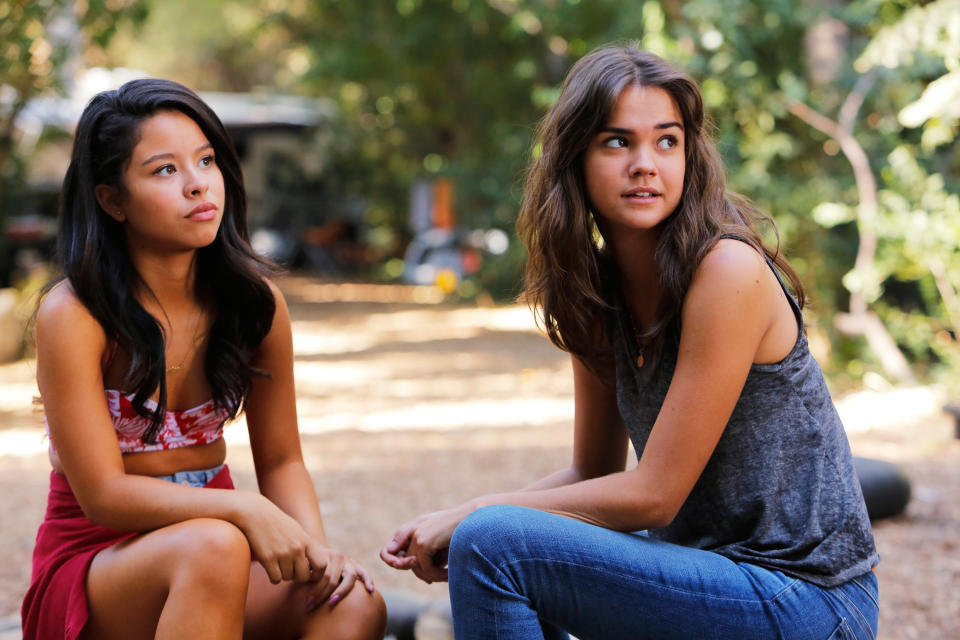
[(55, 607)]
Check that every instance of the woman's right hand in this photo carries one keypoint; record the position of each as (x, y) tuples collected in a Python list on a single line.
[(288, 552), (422, 545), (277, 541)]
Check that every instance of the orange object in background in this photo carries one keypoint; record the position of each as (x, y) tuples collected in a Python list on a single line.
[(441, 213)]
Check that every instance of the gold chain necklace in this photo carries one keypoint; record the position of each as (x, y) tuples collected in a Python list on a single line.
[(193, 342), (636, 338)]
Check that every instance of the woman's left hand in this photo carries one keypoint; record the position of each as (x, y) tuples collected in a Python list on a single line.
[(421, 545), (333, 576)]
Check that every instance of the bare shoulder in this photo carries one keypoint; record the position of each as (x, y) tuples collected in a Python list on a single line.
[(61, 314), (70, 346), (733, 278), (731, 262), (279, 337), (278, 298)]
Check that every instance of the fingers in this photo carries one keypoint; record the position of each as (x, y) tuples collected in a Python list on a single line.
[(364, 577), (336, 581), (397, 559), (301, 569), (430, 567), (331, 577), (273, 570), (430, 574), (295, 567), (400, 539), (287, 567), (347, 579), (424, 558)]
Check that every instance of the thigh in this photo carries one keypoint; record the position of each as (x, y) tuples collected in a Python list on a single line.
[(129, 584), (598, 583)]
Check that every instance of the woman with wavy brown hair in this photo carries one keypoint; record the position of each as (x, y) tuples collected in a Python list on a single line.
[(743, 517)]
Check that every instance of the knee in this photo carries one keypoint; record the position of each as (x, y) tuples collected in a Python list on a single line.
[(489, 531), (361, 615), (213, 549)]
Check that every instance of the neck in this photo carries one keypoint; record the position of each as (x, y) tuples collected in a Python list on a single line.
[(171, 278), (634, 254)]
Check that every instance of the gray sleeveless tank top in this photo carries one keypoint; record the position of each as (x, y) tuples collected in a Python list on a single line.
[(780, 489)]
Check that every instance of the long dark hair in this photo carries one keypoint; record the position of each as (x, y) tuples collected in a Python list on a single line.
[(566, 272), (92, 251)]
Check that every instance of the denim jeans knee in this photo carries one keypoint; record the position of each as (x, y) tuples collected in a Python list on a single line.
[(486, 531)]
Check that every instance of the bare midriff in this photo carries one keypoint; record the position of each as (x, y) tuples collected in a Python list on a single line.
[(167, 461)]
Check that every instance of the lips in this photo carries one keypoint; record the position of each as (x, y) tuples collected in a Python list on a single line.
[(203, 211), (641, 192)]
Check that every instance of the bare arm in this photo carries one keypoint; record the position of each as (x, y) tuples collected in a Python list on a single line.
[(275, 442), (70, 348), (727, 312), (599, 440), (272, 423)]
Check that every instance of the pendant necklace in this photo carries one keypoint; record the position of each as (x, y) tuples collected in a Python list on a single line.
[(193, 342), (637, 340)]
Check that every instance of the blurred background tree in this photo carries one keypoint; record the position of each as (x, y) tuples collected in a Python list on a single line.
[(42, 45), (837, 117)]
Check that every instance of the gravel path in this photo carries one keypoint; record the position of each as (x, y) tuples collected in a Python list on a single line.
[(408, 406)]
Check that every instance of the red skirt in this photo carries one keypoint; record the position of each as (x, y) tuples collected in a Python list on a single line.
[(55, 606)]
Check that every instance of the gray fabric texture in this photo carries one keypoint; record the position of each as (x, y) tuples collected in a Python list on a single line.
[(780, 489)]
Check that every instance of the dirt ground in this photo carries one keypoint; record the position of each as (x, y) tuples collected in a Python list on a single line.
[(408, 406)]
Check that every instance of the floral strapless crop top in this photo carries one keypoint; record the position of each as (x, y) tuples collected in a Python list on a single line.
[(202, 424)]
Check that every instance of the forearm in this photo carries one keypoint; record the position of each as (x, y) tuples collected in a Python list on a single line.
[(616, 501), (560, 478), (131, 502), (290, 487)]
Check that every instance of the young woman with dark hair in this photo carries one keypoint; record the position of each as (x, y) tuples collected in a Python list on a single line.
[(162, 327), (742, 517)]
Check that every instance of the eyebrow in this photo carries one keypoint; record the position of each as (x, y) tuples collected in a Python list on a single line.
[(161, 156), (662, 125)]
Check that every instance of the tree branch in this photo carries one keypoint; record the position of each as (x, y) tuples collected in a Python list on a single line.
[(860, 321)]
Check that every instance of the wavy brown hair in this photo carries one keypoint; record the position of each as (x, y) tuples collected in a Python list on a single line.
[(568, 270)]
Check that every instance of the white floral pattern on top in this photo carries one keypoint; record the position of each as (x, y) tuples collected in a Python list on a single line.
[(202, 424)]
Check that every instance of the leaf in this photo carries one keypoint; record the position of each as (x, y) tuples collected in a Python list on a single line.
[(830, 214), (940, 99)]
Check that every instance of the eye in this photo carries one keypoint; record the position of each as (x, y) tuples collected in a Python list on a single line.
[(615, 142), (667, 142), (207, 161), (165, 170)]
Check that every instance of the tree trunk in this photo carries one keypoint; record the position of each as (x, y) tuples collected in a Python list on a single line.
[(860, 320)]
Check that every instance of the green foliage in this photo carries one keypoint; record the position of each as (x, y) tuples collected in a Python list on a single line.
[(41, 42), (429, 88)]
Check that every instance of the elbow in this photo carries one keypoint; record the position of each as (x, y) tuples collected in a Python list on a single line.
[(101, 510), (98, 515), (659, 512), (661, 518)]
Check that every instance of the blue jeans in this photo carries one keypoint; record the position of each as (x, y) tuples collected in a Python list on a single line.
[(520, 573), (197, 478)]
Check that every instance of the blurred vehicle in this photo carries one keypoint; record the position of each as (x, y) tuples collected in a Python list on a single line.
[(275, 137), (440, 253)]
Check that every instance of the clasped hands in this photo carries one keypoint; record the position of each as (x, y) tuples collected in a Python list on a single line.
[(288, 552), (421, 545)]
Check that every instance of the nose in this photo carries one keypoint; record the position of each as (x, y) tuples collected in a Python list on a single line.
[(642, 162), (194, 184)]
